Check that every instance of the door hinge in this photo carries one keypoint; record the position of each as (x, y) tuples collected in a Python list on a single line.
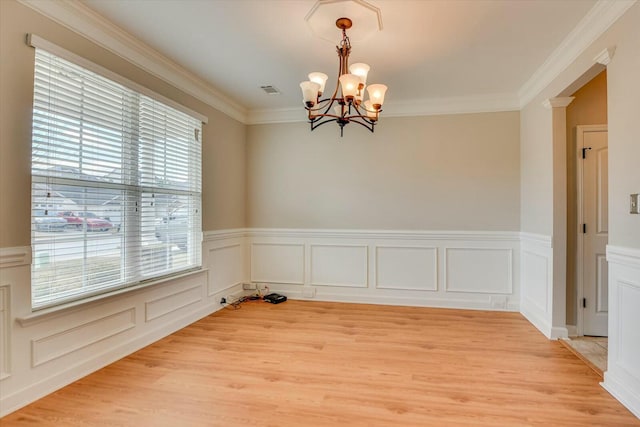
[(584, 228), (584, 303), (584, 152)]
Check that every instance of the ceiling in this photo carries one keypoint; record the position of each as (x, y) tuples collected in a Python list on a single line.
[(427, 51)]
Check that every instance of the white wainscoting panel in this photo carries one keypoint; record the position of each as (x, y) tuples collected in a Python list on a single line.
[(628, 333), (390, 267), (622, 378), (483, 270), (51, 347), (536, 282), (5, 331), (180, 298), (537, 270), (339, 265), (407, 268), (226, 267), (277, 263)]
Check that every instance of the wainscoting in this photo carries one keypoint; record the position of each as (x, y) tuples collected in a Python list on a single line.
[(475, 270), (509, 271), (536, 282), (622, 378), (40, 353)]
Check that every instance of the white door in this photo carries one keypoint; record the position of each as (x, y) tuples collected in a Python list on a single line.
[(593, 154)]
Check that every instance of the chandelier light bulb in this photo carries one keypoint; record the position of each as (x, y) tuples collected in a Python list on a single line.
[(371, 112), (361, 70), (349, 84), (310, 93), (320, 78), (376, 95)]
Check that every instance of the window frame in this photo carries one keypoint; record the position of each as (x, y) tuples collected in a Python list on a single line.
[(37, 42)]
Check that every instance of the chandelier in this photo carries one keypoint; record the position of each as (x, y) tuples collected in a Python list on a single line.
[(348, 106)]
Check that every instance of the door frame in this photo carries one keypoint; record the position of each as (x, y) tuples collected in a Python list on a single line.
[(580, 131)]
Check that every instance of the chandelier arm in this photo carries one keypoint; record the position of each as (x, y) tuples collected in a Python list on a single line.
[(328, 107), (357, 108), (320, 116), (315, 125), (365, 116), (370, 126), (359, 116)]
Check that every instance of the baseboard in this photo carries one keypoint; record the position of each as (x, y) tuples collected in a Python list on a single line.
[(572, 330), (625, 395), (558, 332), (400, 301), (537, 320)]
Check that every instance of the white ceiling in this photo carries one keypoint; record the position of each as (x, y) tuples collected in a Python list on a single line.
[(428, 49)]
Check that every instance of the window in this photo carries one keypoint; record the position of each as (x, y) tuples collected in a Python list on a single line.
[(116, 185)]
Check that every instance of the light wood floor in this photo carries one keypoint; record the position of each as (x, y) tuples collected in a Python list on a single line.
[(329, 364)]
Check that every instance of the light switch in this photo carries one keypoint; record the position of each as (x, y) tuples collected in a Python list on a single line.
[(634, 204)]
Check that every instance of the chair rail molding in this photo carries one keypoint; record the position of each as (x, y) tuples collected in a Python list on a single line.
[(15, 256)]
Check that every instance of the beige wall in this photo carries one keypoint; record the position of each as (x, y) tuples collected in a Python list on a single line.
[(623, 113), (623, 84), (223, 138), (536, 170), (588, 108), (454, 172)]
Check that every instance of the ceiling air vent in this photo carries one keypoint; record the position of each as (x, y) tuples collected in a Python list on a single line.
[(270, 90)]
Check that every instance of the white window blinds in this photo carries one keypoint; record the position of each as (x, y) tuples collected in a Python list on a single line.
[(116, 185)]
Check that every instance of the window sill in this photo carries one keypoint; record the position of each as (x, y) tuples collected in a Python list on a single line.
[(74, 306)]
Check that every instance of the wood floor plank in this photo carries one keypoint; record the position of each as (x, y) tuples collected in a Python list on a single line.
[(332, 364)]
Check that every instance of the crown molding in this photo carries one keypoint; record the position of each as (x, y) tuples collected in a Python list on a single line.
[(604, 57), (558, 102), (427, 107), (493, 102), (81, 19), (277, 115), (601, 16)]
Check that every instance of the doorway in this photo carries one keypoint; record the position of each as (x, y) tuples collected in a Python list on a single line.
[(593, 220), (586, 121)]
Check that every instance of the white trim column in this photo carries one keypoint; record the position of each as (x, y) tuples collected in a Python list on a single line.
[(558, 107)]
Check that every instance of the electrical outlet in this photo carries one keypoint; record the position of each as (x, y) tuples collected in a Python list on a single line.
[(635, 209), (308, 292), (499, 302)]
